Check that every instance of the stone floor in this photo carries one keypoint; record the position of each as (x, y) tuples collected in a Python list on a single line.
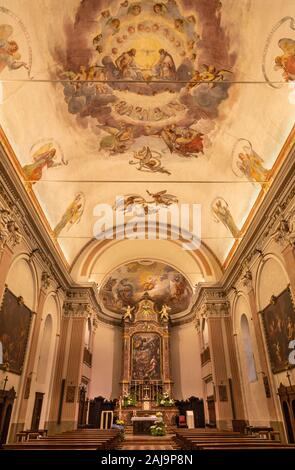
[(132, 442)]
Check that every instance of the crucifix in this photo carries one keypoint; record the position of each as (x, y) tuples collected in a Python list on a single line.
[(146, 389)]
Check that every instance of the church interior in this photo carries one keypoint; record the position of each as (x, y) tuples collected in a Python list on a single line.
[(147, 224)]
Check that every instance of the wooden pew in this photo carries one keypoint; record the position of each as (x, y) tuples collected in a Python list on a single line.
[(194, 439), (71, 440)]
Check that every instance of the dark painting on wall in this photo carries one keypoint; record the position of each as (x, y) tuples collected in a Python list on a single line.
[(146, 356), (279, 326), (15, 319)]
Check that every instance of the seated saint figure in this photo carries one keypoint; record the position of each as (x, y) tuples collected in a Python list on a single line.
[(165, 68), (126, 65)]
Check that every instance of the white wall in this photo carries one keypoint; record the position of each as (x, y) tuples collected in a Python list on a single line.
[(254, 394), (185, 362), (106, 362)]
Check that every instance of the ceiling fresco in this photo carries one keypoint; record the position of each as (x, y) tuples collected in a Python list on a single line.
[(156, 101), (163, 283)]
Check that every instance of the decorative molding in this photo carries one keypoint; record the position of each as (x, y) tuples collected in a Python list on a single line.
[(9, 229), (198, 325), (45, 281), (285, 233), (211, 302)]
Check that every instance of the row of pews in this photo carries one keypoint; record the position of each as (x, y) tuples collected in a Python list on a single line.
[(209, 439), (84, 439)]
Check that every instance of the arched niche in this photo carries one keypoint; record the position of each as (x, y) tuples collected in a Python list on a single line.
[(22, 281), (248, 349)]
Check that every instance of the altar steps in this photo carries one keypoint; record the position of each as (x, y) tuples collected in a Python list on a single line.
[(132, 442)]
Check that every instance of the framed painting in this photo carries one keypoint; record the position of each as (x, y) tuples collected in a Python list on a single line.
[(15, 320), (146, 356), (279, 327)]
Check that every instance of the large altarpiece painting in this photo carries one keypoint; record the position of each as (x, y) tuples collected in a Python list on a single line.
[(15, 319), (279, 326), (146, 356)]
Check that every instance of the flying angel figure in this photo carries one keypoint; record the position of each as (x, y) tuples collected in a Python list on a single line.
[(207, 73), (9, 50), (72, 215), (161, 197)]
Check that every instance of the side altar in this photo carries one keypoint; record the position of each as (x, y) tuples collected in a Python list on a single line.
[(146, 373)]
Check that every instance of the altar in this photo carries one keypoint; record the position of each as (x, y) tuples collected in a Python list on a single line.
[(146, 374), (142, 424)]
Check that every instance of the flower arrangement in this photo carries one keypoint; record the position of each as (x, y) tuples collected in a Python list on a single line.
[(165, 400), (129, 400), (159, 428), (120, 422)]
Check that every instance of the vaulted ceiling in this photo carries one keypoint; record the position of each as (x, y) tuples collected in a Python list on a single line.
[(133, 98)]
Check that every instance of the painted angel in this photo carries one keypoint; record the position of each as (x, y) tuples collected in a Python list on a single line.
[(207, 73), (72, 215), (251, 165), (162, 198), (286, 61), (9, 55), (222, 214), (148, 160), (118, 140), (44, 157)]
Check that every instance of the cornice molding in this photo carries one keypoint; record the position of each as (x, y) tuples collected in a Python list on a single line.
[(9, 229)]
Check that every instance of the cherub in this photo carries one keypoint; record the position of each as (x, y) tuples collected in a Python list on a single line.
[(9, 50), (148, 160), (164, 312)]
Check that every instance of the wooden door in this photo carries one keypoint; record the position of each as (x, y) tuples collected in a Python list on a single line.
[(37, 410)]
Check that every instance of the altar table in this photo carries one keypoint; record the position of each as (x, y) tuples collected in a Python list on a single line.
[(142, 424)]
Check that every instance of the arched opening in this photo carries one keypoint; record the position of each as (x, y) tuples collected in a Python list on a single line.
[(42, 369), (248, 349), (288, 423)]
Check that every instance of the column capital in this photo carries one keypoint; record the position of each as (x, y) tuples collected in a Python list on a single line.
[(77, 310), (215, 310), (78, 304), (212, 303)]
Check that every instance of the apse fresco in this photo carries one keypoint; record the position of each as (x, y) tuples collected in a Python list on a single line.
[(127, 284), (142, 69)]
